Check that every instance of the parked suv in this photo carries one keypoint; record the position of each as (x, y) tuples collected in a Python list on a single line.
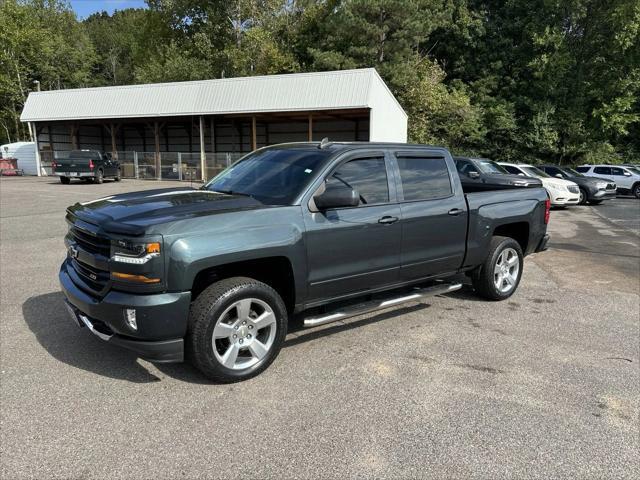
[(90, 165), (561, 192), (478, 174), (627, 179), (321, 231), (593, 190)]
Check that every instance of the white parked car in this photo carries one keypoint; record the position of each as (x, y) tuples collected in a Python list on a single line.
[(561, 192), (627, 178)]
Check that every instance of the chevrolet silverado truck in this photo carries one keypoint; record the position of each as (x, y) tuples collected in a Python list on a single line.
[(318, 232)]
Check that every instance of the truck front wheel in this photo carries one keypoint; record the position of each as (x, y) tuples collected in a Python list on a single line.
[(236, 329), (499, 275)]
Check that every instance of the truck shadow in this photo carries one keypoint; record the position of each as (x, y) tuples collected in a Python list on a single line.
[(48, 319)]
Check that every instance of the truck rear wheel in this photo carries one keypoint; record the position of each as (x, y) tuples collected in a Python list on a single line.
[(499, 275), (99, 178), (65, 180), (236, 329)]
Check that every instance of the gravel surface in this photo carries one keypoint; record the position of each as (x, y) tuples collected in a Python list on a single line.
[(545, 384)]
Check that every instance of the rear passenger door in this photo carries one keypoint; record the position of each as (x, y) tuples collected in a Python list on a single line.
[(433, 212)]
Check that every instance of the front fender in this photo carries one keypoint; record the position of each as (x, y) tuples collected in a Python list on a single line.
[(235, 237)]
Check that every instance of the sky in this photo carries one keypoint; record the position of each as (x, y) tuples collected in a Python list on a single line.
[(84, 8)]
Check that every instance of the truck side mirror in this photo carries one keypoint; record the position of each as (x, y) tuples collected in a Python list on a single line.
[(336, 195), (474, 174)]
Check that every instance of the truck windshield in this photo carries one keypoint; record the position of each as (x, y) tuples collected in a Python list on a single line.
[(272, 176), (487, 166), (535, 172)]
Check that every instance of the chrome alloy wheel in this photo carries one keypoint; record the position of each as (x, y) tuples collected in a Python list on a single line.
[(244, 333), (505, 273)]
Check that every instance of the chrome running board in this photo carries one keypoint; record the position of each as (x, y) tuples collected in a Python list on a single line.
[(381, 304)]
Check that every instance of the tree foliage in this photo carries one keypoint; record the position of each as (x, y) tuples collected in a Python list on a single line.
[(534, 80)]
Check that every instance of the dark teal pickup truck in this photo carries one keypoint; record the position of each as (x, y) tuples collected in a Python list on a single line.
[(88, 165), (319, 232)]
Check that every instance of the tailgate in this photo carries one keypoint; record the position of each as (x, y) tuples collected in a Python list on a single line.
[(72, 164)]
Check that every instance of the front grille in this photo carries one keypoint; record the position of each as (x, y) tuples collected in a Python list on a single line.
[(611, 186), (91, 243), (573, 188), (94, 278)]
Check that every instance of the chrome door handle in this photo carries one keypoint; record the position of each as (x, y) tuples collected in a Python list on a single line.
[(455, 211), (387, 220)]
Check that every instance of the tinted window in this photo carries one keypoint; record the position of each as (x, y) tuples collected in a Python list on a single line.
[(617, 171), (424, 178), (602, 170), (366, 175), (582, 169), (273, 176), (514, 170), (552, 170), (465, 166)]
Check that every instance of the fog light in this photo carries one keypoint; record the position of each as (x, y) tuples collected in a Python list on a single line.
[(130, 317)]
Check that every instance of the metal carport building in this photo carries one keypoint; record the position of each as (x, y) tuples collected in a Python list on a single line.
[(192, 129)]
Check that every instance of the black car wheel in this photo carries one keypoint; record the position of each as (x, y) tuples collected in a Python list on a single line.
[(99, 178), (236, 329), (65, 180), (636, 190), (499, 275), (583, 197)]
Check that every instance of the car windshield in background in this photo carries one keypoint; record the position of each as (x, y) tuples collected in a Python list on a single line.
[(487, 166), (572, 172), (272, 176), (535, 172)]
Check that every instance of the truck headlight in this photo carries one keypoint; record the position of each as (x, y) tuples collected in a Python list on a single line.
[(137, 254)]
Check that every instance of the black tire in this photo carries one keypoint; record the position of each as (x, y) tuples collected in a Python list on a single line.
[(636, 190), (99, 178), (584, 197), (483, 277), (118, 176), (65, 180), (595, 202), (207, 309)]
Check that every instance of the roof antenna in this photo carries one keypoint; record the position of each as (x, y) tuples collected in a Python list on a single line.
[(324, 143)]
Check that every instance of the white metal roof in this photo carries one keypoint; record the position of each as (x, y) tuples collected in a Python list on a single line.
[(342, 89)]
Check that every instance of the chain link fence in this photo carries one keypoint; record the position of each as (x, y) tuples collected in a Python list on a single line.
[(180, 166)]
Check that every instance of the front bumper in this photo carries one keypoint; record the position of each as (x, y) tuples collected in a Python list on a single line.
[(559, 199), (161, 318), (604, 195)]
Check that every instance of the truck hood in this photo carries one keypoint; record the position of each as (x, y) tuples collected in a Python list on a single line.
[(510, 179), (132, 213)]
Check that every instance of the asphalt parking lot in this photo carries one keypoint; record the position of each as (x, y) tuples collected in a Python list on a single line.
[(546, 384)]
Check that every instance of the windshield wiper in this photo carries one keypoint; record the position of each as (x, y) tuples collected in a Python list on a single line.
[(230, 192)]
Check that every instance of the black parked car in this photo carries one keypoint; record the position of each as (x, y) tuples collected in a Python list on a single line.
[(592, 189), (479, 174)]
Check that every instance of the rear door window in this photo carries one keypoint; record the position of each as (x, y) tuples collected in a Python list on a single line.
[(602, 170), (424, 178), (366, 175), (582, 169)]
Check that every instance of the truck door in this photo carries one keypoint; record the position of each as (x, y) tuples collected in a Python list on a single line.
[(434, 214), (356, 248)]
